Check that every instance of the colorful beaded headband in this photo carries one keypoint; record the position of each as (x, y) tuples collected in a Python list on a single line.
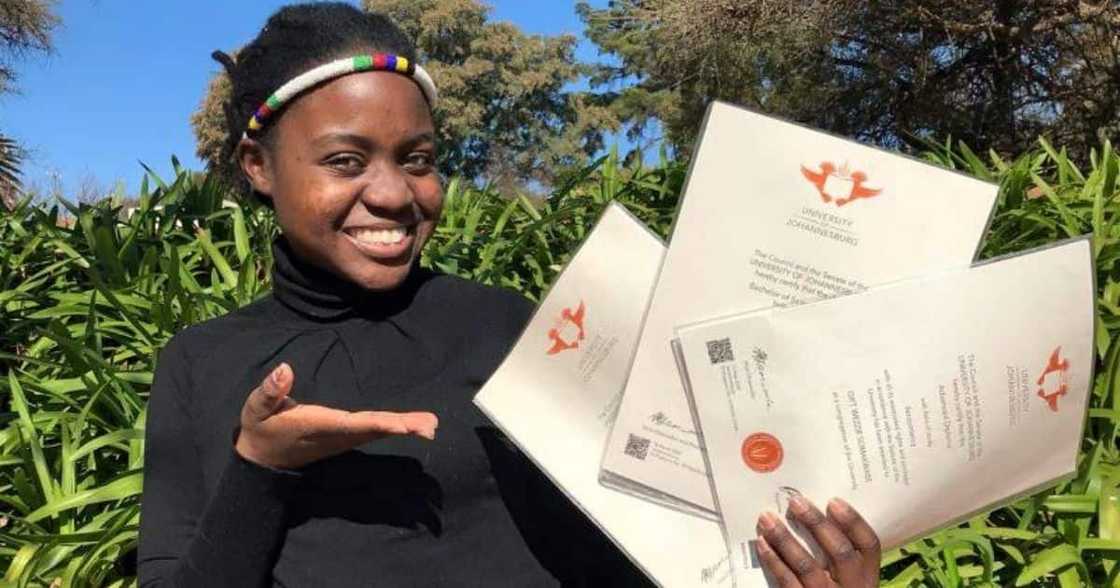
[(341, 67)]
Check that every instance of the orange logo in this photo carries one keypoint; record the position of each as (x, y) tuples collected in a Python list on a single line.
[(839, 185), (762, 452), (568, 330), (1054, 381)]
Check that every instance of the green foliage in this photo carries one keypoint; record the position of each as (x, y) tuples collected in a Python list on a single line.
[(86, 301), (521, 243), (88, 294)]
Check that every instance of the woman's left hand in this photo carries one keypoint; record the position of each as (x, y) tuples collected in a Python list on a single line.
[(849, 542)]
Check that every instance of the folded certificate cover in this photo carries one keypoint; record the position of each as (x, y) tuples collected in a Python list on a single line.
[(920, 403), (776, 214), (556, 393)]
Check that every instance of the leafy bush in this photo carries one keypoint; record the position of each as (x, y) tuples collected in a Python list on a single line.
[(89, 294)]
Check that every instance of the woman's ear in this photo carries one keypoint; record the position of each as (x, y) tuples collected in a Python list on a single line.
[(255, 163)]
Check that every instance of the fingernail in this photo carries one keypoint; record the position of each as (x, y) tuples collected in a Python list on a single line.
[(839, 505), (280, 374), (767, 522), (761, 546), (798, 504), (430, 430)]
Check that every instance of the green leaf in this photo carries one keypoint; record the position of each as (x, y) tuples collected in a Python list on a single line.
[(1071, 503), (123, 487), (1049, 561), (240, 235), (1109, 513), (106, 440), (31, 438), (1070, 224), (17, 568), (219, 260), (911, 575)]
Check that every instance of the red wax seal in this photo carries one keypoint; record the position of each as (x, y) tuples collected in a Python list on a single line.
[(762, 452)]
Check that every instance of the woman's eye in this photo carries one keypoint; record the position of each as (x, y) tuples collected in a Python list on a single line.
[(346, 163), (419, 162)]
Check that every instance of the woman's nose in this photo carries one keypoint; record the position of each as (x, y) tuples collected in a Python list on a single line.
[(388, 188)]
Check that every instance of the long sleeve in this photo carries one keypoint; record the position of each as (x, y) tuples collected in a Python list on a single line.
[(591, 558), (397, 511), (187, 538)]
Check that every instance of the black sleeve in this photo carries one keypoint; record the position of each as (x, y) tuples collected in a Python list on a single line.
[(187, 538), (593, 558)]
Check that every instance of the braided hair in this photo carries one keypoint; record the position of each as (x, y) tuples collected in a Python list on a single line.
[(295, 39)]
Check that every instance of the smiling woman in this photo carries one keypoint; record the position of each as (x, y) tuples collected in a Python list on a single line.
[(354, 186), (282, 441)]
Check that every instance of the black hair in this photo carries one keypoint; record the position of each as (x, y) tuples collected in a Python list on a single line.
[(295, 39)]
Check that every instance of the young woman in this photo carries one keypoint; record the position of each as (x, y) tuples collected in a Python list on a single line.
[(282, 438)]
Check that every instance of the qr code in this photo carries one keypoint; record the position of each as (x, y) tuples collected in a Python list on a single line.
[(637, 447), (719, 351)]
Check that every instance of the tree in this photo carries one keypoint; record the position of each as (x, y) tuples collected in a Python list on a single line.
[(892, 72), (209, 124), (505, 112), (25, 27), (10, 158)]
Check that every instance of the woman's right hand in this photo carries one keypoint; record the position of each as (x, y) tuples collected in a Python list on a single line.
[(280, 433)]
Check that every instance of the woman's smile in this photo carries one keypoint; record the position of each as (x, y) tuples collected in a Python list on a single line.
[(383, 242)]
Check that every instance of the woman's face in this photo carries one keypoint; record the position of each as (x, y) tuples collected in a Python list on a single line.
[(351, 174)]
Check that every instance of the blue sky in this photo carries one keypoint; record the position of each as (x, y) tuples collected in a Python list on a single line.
[(126, 75)]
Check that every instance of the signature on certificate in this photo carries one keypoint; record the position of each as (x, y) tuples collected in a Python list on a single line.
[(661, 419)]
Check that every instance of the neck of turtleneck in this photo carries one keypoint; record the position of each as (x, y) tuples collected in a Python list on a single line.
[(318, 294)]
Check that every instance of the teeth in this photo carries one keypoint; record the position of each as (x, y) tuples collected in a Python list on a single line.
[(380, 236)]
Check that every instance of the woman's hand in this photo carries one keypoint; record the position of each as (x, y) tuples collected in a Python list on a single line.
[(851, 545), (281, 433)]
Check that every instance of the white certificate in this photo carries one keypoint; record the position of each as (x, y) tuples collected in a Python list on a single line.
[(556, 393), (776, 214), (920, 403)]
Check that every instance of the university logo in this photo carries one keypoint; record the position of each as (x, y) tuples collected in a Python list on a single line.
[(762, 452), (567, 332), (839, 185), (1054, 381)]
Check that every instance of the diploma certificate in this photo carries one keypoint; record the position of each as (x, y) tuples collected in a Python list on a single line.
[(921, 403), (557, 391), (775, 214)]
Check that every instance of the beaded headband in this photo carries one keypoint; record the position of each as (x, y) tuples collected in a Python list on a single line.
[(341, 67)]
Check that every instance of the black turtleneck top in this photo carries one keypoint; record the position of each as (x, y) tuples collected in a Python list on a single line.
[(464, 510)]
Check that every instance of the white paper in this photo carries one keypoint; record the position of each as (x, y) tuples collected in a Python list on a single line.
[(774, 213), (556, 393), (920, 403)]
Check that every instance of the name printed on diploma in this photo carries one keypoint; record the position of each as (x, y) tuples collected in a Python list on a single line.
[(958, 392), (816, 218)]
